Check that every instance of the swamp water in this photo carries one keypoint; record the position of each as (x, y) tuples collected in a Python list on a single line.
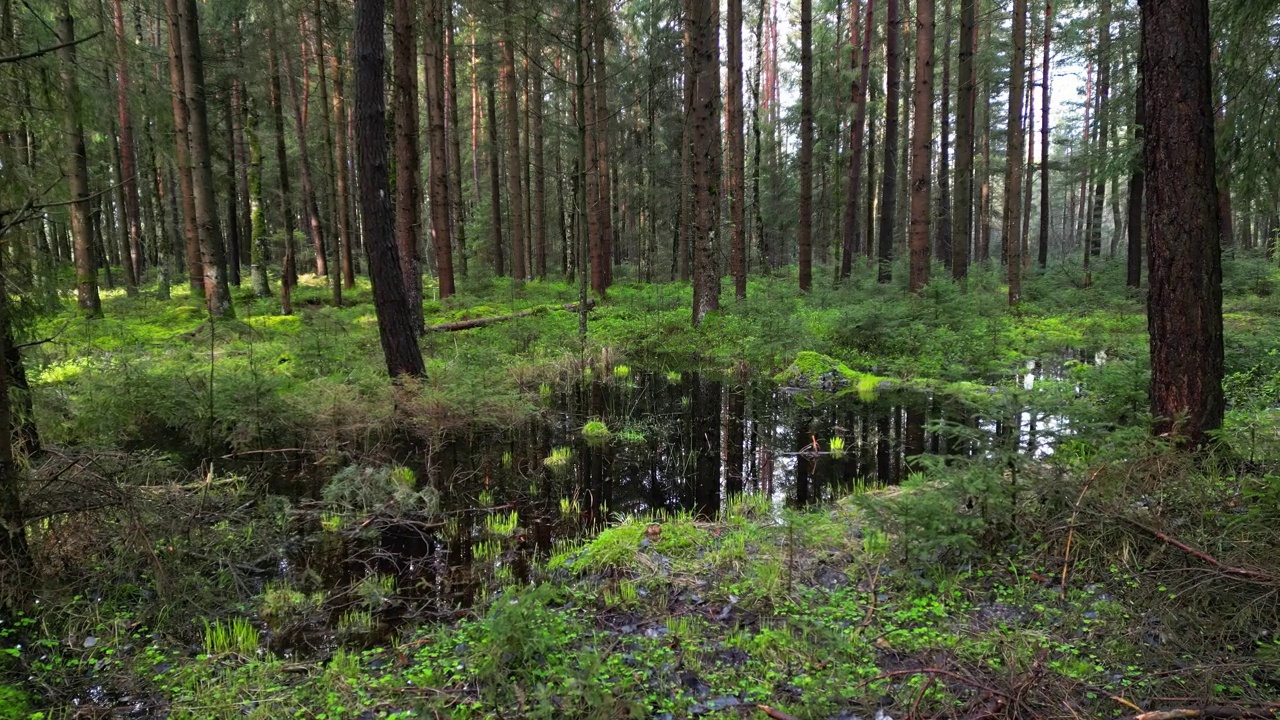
[(626, 443)]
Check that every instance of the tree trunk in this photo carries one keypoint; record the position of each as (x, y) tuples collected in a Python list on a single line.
[(1137, 186), (1185, 301), (921, 149), (15, 556), (944, 159), (539, 174), (212, 250), (259, 249), (441, 202), (756, 137), (342, 181), (454, 131), (288, 269), (326, 122), (77, 170), (852, 236), (396, 327), (889, 186), (182, 145), (704, 124), (128, 159), (495, 198), (239, 116), (804, 230), (404, 101), (685, 210), (1011, 231), (737, 152), (515, 190), (1103, 122), (233, 198), (600, 95), (1043, 255)]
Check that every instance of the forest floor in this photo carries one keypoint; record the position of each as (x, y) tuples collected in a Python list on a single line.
[(1112, 576)]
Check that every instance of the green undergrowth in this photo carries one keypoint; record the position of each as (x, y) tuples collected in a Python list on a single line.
[(157, 374), (936, 597)]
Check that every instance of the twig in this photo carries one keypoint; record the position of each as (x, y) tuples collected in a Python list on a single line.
[(944, 673), (45, 51), (915, 706), (1071, 531), (776, 714), (1221, 713), (1247, 574)]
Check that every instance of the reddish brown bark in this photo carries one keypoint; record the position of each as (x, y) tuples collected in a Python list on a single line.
[(704, 124), (396, 327), (441, 204), (889, 181), (515, 193), (804, 231), (1185, 301), (737, 153), (1012, 228), (408, 169), (921, 149), (128, 161)]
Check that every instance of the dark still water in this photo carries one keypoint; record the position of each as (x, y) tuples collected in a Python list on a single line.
[(628, 443)]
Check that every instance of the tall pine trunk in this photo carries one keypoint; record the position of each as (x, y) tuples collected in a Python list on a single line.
[(212, 250), (128, 149), (515, 192), (77, 170), (737, 153), (853, 234), (943, 251), (1012, 227), (495, 195), (962, 242), (1043, 255), (1185, 317), (404, 73), (441, 203), (342, 172), (454, 131), (182, 147), (889, 186), (288, 266), (1137, 187), (396, 327), (921, 149), (804, 230), (705, 145)]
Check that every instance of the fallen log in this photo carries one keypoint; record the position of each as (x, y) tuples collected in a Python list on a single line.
[(481, 322)]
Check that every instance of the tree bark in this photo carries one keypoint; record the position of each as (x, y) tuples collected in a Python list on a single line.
[(77, 170), (495, 197), (128, 160), (441, 202), (944, 239), (1012, 228), (259, 248), (396, 327), (1103, 123), (212, 249), (704, 124), (1185, 301), (1137, 187), (326, 123), (182, 146), (600, 95), (288, 269), (342, 182), (853, 234), (1043, 255), (804, 230), (737, 152), (539, 174), (408, 164), (889, 181), (515, 190), (921, 149), (454, 131)]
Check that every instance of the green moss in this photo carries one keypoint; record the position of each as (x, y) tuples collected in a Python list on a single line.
[(596, 430)]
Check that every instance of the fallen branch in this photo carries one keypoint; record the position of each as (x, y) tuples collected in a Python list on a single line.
[(481, 322), (1247, 574), (1071, 532), (1211, 713)]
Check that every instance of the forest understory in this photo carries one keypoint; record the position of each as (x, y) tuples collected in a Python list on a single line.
[(938, 506)]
